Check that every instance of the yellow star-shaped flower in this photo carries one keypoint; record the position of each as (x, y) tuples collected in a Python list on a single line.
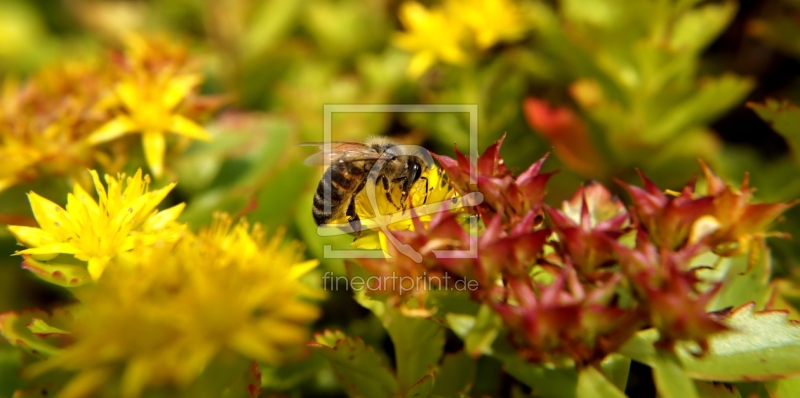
[(97, 232), (149, 107), (432, 35)]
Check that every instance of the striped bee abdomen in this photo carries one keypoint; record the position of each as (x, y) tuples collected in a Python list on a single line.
[(339, 184)]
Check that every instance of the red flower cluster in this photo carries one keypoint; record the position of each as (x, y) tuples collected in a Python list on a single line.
[(581, 287)]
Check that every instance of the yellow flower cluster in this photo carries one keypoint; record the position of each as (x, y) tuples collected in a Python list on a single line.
[(171, 305), (52, 123), (446, 33)]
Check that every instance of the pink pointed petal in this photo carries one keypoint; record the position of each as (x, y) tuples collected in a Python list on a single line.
[(490, 163), (532, 171), (560, 220), (649, 187), (715, 184)]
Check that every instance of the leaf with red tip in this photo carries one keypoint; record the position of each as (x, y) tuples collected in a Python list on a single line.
[(66, 275), (490, 163), (15, 328)]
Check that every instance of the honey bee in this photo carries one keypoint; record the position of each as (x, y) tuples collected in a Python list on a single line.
[(351, 168)]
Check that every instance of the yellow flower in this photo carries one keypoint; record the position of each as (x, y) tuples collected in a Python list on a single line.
[(164, 314), (98, 232), (490, 21), (149, 106), (432, 35), (439, 193)]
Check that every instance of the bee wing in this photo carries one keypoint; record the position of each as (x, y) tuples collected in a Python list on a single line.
[(339, 151)]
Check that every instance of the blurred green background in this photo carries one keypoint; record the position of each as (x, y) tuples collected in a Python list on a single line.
[(650, 84)]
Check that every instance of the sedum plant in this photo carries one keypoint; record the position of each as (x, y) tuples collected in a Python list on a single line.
[(565, 298)]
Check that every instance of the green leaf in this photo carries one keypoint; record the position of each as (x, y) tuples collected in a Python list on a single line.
[(708, 101), (478, 332), (356, 365), (641, 346), (787, 388), (752, 389), (592, 383), (716, 390), (596, 12), (670, 378), (287, 377), (739, 287), (784, 117), (760, 346), (697, 28), (418, 342), (455, 376), (271, 20), (10, 367), (545, 382), (15, 328), (422, 388), (256, 181), (451, 302), (616, 368)]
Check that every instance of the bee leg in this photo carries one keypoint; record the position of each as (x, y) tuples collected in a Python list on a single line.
[(385, 182), (425, 199), (352, 218), (404, 193)]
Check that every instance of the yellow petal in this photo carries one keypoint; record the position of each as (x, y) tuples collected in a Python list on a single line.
[(134, 379), (96, 267), (178, 88), (7, 182), (130, 95), (251, 343), (85, 383), (301, 269), (154, 147), (50, 216), (419, 64), (283, 333), (32, 237), (163, 218), (113, 129), (66, 248), (183, 126)]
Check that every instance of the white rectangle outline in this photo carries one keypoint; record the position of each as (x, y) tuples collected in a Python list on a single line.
[(472, 109)]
